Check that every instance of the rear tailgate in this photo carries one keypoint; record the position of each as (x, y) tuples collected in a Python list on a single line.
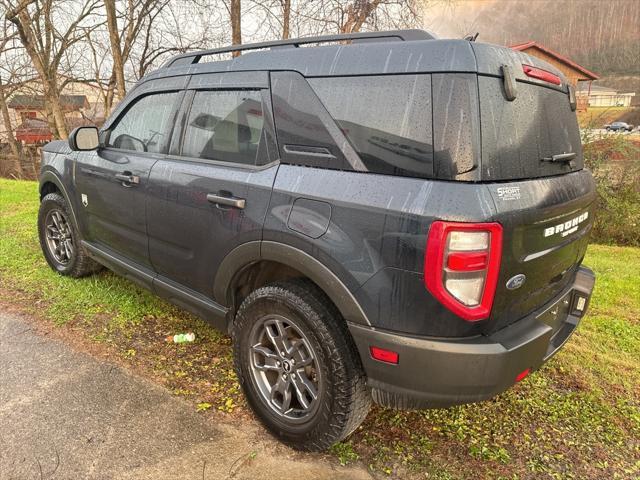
[(544, 206), (546, 224)]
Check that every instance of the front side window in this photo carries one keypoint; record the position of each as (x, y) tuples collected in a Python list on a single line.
[(224, 125), (146, 125)]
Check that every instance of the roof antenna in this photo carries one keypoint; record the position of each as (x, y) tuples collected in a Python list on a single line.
[(471, 37)]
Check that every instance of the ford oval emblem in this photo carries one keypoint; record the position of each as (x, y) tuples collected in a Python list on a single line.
[(516, 281)]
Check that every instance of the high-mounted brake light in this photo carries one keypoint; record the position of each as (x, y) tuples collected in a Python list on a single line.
[(541, 74), (461, 266)]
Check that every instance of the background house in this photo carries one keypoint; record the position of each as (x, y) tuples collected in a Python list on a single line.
[(602, 96), (577, 75), (81, 103)]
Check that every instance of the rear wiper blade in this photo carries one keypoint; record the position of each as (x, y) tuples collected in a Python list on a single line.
[(561, 157)]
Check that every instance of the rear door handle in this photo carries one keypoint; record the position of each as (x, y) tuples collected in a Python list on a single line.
[(228, 201), (128, 179)]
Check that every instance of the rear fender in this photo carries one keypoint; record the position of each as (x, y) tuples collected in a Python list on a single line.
[(251, 252)]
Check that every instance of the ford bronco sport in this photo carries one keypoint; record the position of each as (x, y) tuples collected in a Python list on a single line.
[(376, 216)]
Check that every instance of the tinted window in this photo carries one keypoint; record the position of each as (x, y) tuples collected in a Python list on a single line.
[(146, 125), (224, 125), (386, 118)]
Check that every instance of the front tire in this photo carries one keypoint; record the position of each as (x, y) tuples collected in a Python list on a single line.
[(60, 241), (297, 365)]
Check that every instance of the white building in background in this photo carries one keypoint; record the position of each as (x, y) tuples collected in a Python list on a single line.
[(601, 96)]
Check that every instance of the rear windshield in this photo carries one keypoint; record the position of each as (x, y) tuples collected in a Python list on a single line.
[(520, 137), (386, 118)]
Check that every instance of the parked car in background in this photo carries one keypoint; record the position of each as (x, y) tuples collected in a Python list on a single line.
[(387, 217), (618, 127)]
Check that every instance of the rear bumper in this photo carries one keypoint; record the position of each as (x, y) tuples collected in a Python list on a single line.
[(437, 372)]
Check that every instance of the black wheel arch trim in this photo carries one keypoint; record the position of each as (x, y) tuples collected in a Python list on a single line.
[(249, 253), (50, 176)]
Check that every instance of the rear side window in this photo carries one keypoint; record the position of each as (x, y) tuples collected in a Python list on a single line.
[(386, 118), (146, 125), (224, 125)]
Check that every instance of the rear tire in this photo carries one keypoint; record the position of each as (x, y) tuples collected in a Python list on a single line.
[(60, 241), (298, 366)]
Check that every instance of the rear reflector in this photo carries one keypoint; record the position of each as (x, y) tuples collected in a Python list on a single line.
[(461, 266), (540, 74), (522, 375), (383, 355)]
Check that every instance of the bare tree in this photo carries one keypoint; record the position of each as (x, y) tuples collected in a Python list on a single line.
[(46, 37), (5, 93)]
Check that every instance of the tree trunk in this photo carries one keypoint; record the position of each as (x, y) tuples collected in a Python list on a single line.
[(6, 118), (116, 50), (108, 97), (236, 26), (286, 18), (52, 101), (358, 13)]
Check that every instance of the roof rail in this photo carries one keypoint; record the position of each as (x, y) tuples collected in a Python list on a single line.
[(403, 35)]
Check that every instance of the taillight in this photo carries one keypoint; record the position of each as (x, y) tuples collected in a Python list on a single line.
[(541, 74), (461, 266)]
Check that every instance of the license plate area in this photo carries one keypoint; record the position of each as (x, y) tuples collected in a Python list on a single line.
[(556, 315), (559, 317)]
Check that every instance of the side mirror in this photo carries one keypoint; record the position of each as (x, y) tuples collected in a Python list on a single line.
[(84, 138)]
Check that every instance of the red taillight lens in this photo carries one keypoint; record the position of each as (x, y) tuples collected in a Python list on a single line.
[(461, 266), (540, 74), (383, 355), (467, 261)]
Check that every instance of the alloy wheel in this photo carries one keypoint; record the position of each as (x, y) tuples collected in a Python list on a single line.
[(58, 235), (285, 368)]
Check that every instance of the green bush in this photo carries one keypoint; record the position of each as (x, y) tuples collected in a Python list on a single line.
[(615, 163)]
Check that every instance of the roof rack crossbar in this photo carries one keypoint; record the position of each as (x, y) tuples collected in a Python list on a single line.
[(194, 57)]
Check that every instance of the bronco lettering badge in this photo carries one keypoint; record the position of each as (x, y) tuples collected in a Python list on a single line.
[(567, 227)]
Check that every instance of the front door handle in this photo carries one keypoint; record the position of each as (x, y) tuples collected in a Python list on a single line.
[(228, 201), (128, 179)]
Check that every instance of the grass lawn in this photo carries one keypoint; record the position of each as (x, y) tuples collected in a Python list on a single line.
[(579, 417)]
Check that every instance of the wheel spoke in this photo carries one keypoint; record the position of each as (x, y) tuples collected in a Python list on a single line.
[(279, 337), (301, 353), (67, 249), (302, 386), (282, 389), (270, 359), (56, 220)]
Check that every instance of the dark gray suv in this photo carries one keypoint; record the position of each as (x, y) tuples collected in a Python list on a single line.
[(383, 216)]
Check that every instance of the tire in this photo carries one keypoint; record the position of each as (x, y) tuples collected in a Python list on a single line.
[(60, 241), (326, 359)]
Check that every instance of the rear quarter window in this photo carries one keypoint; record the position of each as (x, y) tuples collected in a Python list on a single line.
[(386, 118)]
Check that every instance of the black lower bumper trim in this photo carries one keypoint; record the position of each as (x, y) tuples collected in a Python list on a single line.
[(436, 372)]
